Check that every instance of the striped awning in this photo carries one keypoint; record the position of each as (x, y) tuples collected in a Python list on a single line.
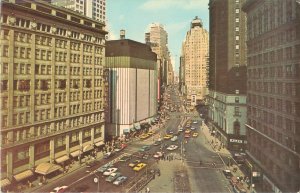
[(46, 168), (5, 182), (88, 147), (98, 144), (75, 153), (23, 175), (62, 159)]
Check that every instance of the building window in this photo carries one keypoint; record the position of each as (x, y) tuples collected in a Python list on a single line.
[(237, 37), (237, 47), (237, 19), (237, 10), (237, 99), (237, 29)]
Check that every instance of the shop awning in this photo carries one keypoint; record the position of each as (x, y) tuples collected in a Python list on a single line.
[(75, 153), (23, 175), (98, 144), (46, 168), (62, 159), (5, 182), (88, 147), (132, 129)]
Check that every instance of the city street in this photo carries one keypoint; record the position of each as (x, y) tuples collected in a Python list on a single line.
[(206, 176)]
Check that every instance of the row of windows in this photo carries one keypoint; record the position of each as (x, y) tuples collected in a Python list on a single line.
[(270, 17), (279, 55), (279, 88), (288, 71)]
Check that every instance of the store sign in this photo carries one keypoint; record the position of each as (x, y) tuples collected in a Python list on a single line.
[(236, 141)]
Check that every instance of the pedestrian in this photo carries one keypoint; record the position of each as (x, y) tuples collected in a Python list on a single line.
[(147, 190)]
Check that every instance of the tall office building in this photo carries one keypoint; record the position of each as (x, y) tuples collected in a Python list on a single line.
[(95, 9), (52, 89), (273, 98), (195, 53), (132, 85), (227, 72), (157, 38)]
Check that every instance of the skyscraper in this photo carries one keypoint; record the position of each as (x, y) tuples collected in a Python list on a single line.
[(94, 9), (227, 72), (194, 54), (273, 98)]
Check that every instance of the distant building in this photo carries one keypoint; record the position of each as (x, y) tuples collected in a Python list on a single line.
[(132, 85), (273, 97), (227, 73), (52, 88), (95, 9), (195, 53), (157, 38)]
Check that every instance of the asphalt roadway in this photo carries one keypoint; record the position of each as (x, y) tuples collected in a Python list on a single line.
[(205, 177)]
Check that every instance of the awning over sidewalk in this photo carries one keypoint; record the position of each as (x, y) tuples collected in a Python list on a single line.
[(75, 153), (132, 129), (23, 175), (5, 182), (62, 159), (98, 144), (46, 168), (88, 147)]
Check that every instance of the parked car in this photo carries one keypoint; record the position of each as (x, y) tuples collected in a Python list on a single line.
[(109, 154), (110, 171), (144, 148), (158, 154), (120, 180), (227, 174), (139, 166), (146, 156), (174, 138), (104, 167), (92, 163), (113, 176), (172, 147), (135, 162), (125, 158), (122, 146), (60, 189)]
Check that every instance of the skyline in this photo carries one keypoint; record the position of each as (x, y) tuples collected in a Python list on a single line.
[(121, 15)]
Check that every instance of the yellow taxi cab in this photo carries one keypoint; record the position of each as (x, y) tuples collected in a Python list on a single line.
[(144, 136), (150, 133), (168, 136), (139, 166), (195, 134), (187, 131)]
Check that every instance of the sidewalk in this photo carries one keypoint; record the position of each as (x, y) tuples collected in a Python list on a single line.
[(72, 168), (215, 145)]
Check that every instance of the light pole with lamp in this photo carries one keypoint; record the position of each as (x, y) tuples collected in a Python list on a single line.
[(97, 180)]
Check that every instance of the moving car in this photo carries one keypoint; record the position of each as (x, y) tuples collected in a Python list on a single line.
[(158, 154), (187, 131), (135, 162), (180, 129), (120, 180), (104, 167), (110, 171), (113, 176), (195, 122), (172, 147), (139, 166), (168, 136), (122, 146), (193, 128), (144, 148), (59, 189), (174, 138), (227, 174), (125, 158), (195, 134), (150, 133), (187, 135), (157, 143)]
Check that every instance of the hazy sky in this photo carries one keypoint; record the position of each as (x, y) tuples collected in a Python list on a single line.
[(175, 15)]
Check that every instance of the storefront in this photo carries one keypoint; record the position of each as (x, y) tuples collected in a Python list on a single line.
[(237, 143)]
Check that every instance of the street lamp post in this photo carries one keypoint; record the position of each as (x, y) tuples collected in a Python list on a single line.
[(97, 180)]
